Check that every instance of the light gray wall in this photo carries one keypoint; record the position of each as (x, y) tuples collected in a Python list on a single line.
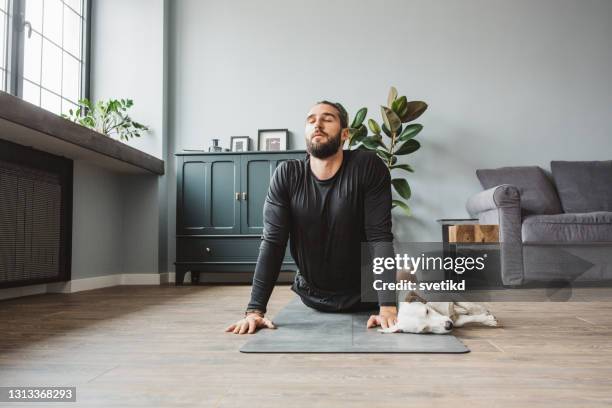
[(508, 82), (115, 222), (128, 61), (97, 222), (140, 237)]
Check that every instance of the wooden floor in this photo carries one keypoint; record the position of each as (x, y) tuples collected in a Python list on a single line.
[(164, 346)]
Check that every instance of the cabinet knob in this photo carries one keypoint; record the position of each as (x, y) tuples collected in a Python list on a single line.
[(237, 196), (244, 195), (208, 250)]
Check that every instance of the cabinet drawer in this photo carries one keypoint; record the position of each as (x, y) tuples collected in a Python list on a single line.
[(217, 249)]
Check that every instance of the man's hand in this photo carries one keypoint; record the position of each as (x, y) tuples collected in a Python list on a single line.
[(387, 317), (250, 323)]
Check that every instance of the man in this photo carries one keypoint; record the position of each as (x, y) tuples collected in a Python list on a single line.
[(328, 203)]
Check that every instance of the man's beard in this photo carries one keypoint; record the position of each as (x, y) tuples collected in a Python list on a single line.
[(323, 150)]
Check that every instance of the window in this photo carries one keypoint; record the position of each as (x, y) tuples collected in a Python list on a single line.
[(3, 43), (51, 44)]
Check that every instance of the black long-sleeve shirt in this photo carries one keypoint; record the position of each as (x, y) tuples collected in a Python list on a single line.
[(327, 221)]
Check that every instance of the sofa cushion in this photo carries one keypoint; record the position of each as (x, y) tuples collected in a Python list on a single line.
[(580, 227), (583, 186), (538, 195)]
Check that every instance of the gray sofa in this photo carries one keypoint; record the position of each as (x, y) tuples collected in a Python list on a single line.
[(553, 227)]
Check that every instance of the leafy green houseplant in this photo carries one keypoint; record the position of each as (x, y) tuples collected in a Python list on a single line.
[(399, 141), (109, 118)]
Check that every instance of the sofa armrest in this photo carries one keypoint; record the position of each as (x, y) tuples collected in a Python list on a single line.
[(501, 205), (504, 195)]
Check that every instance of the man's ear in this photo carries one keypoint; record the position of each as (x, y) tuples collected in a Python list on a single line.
[(344, 135)]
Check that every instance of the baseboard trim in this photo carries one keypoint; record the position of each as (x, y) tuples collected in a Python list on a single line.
[(98, 282), (79, 285)]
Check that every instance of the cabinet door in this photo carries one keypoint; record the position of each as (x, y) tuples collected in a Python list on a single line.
[(206, 195), (256, 170)]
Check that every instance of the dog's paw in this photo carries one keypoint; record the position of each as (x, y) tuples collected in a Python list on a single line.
[(491, 321), (392, 329)]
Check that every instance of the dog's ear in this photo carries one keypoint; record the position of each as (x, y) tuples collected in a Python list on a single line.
[(413, 297)]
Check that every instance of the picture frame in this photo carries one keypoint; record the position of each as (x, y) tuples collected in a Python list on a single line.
[(240, 143), (272, 139)]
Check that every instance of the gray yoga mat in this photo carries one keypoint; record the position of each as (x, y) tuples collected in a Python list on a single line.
[(301, 329)]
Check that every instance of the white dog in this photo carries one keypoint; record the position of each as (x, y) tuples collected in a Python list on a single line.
[(415, 315)]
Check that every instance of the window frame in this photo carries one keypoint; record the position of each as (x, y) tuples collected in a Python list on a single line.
[(15, 45), (6, 46)]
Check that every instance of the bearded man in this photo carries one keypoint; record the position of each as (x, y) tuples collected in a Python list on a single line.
[(329, 203)]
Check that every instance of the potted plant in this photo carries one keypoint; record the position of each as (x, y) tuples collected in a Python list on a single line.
[(109, 118), (400, 138)]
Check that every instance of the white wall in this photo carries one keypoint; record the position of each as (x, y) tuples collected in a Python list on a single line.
[(508, 82), (128, 61)]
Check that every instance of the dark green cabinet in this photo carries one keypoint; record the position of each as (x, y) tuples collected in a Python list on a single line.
[(220, 198), (207, 188)]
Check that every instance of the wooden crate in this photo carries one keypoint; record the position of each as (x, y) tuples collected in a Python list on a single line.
[(473, 233)]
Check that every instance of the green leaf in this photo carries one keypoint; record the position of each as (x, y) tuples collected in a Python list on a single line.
[(378, 139), (402, 187), (351, 137), (139, 126), (359, 117), (373, 142), (361, 133), (399, 106), (357, 135), (392, 121), (383, 154), (373, 125), (369, 143), (408, 147), (409, 132), (386, 130), (402, 205), (402, 167), (392, 96), (414, 109)]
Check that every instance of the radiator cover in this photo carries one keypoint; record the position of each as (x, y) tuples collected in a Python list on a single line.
[(35, 216)]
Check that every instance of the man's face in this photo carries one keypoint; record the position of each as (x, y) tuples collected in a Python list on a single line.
[(324, 134)]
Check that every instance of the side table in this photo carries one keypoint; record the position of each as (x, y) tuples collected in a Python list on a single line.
[(465, 236)]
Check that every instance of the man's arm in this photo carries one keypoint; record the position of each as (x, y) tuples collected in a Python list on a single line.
[(378, 223), (276, 213)]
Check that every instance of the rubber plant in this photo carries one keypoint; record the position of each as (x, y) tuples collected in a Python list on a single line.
[(399, 138), (109, 118)]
